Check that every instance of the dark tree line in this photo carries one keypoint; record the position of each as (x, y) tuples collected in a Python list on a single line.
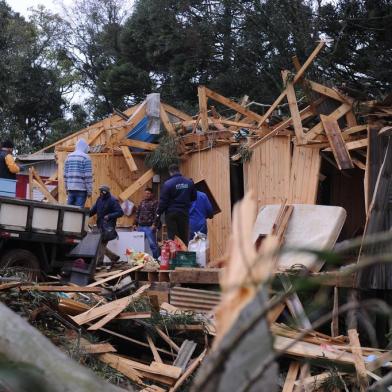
[(112, 56)]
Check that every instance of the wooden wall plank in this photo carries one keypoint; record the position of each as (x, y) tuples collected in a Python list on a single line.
[(304, 176), (213, 166), (268, 172)]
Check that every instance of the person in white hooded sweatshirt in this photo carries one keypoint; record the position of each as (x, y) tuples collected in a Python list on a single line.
[(78, 175)]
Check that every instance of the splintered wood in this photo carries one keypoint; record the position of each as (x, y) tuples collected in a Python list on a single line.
[(246, 269)]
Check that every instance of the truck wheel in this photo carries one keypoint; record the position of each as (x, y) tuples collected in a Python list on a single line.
[(21, 261)]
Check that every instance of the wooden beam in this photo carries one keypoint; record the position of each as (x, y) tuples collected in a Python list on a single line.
[(106, 309), (38, 183), (235, 124), (293, 106), (31, 185), (166, 121), (335, 115), (120, 364), (359, 163), (232, 105), (139, 144), (95, 137), (154, 350), (358, 358), (328, 92), (65, 289), (354, 145), (129, 159), (355, 129), (297, 77), (140, 182), (351, 120), (291, 377), (138, 342), (61, 156), (201, 92), (339, 149), (237, 117), (115, 276), (98, 348), (304, 113), (335, 313), (177, 113), (167, 339), (188, 372)]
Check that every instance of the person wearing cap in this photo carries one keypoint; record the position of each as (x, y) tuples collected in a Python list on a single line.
[(78, 175), (8, 167), (108, 209), (177, 195)]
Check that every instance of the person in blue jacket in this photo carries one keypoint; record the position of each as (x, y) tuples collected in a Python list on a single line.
[(177, 195), (108, 209), (200, 211)]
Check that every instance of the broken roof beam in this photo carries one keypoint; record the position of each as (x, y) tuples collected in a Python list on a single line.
[(335, 115), (297, 77), (237, 118), (176, 112), (231, 104), (293, 106), (304, 113), (201, 93), (335, 138), (139, 144), (166, 121)]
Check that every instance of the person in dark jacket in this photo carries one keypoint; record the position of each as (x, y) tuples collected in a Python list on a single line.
[(200, 211), (108, 209), (177, 195)]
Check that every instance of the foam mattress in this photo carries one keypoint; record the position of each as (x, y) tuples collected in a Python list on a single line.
[(310, 226)]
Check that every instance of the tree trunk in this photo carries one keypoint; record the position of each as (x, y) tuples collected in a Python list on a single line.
[(23, 344)]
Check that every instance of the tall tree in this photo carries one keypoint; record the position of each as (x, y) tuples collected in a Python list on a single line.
[(30, 96)]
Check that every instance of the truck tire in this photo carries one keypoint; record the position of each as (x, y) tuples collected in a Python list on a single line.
[(21, 260)]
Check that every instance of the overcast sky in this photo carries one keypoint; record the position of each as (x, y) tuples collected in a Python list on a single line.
[(22, 6)]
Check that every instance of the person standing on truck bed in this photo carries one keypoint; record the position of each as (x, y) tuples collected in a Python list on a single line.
[(108, 209), (177, 195), (78, 175), (8, 167)]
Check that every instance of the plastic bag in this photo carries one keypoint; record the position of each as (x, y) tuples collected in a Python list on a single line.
[(127, 207), (200, 245)]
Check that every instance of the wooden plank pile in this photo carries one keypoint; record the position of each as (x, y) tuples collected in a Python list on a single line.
[(154, 346)]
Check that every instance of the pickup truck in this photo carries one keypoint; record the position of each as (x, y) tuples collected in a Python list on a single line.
[(40, 238)]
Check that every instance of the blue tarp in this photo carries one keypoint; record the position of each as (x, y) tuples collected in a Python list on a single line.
[(140, 132)]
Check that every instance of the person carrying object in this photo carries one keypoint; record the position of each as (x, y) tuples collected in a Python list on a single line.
[(200, 211), (78, 175), (108, 209), (145, 220), (8, 167), (177, 195)]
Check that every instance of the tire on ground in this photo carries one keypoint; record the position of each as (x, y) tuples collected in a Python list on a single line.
[(21, 261)]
